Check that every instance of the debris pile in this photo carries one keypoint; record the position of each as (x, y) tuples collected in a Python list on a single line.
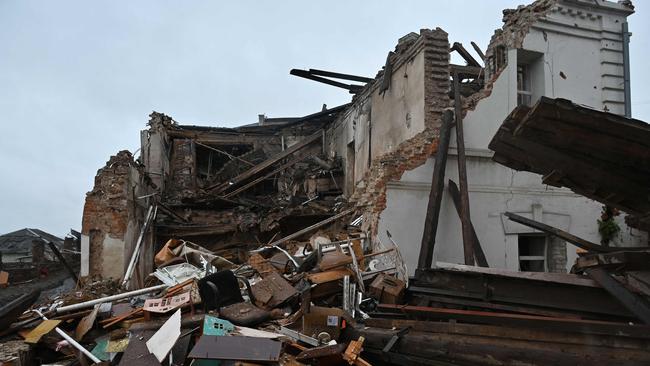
[(291, 301)]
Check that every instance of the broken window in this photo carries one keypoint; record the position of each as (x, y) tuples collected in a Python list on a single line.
[(530, 77), (524, 87), (532, 253)]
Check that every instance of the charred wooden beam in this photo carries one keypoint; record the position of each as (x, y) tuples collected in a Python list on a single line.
[(308, 75), (435, 195), (468, 245), (471, 61), (338, 75), (479, 255), (636, 304), (478, 51)]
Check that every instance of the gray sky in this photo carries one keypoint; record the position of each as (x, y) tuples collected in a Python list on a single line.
[(78, 79)]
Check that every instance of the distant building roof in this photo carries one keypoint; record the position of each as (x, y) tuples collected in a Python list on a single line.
[(20, 241)]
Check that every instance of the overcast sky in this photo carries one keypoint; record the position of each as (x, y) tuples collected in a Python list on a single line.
[(78, 79)]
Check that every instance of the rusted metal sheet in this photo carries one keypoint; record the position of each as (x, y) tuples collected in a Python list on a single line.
[(236, 348)]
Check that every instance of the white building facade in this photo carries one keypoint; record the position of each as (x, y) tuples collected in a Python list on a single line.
[(575, 51)]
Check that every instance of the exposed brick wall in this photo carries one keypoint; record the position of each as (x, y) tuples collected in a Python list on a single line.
[(183, 169), (106, 207), (556, 257), (415, 151)]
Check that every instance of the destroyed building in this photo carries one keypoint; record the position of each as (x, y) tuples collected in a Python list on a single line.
[(226, 187), (345, 237)]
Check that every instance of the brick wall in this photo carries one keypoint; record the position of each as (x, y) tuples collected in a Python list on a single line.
[(106, 207), (371, 194), (556, 257)]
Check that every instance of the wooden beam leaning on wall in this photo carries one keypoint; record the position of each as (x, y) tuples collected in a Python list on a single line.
[(465, 220), (253, 171), (570, 238), (435, 196), (479, 255)]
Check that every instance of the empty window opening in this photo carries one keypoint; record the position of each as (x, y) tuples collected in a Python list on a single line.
[(532, 253)]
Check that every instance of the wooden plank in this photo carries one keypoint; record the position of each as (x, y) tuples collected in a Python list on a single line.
[(636, 304), (338, 75), (507, 332), (579, 242), (352, 88), (578, 148), (471, 349), (471, 61), (485, 305), (496, 318), (592, 301), (627, 260), (329, 276), (468, 246), (265, 176), (250, 173), (479, 255), (312, 227), (549, 277), (435, 195), (478, 51)]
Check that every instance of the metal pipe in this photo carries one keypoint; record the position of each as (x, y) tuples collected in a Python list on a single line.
[(626, 71), (124, 295), (136, 250), (71, 340)]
